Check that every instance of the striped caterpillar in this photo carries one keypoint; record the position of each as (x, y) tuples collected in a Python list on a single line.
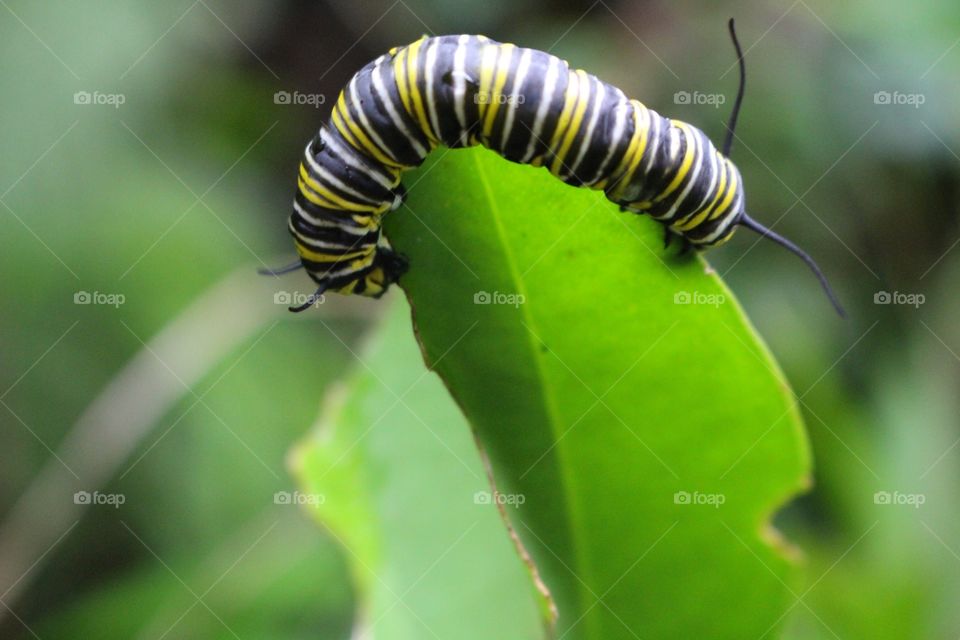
[(528, 106)]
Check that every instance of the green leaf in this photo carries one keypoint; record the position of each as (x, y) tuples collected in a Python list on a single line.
[(559, 325), (392, 473)]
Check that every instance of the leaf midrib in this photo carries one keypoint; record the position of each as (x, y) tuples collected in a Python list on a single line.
[(571, 507)]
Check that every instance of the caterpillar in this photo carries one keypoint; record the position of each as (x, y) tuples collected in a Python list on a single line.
[(528, 106)]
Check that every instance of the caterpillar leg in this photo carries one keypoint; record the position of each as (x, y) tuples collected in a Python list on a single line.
[(685, 244), (388, 266), (393, 264)]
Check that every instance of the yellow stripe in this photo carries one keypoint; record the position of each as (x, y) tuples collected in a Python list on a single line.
[(313, 197), (316, 256), (364, 219), (368, 222), (691, 223), (716, 207), (695, 219), (340, 202), (344, 131), (302, 240), (688, 156), (639, 147), (413, 57), (355, 135), (400, 76), (493, 98), (731, 194), (348, 288), (570, 100), (488, 67), (583, 101)]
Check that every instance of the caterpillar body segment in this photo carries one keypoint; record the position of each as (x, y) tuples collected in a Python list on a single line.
[(529, 107)]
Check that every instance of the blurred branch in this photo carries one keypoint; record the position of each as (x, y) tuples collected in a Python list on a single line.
[(124, 413)]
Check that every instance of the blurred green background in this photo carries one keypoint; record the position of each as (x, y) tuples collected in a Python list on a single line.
[(148, 163)]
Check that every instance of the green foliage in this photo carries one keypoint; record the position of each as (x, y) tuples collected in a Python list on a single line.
[(878, 184), (604, 403), (393, 475)]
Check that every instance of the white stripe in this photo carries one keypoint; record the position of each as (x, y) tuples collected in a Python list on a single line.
[(620, 125), (489, 57), (348, 270), (429, 72), (722, 229), (329, 224), (394, 114), (653, 139), (364, 121), (715, 165), (674, 134), (630, 192), (591, 128), (697, 153), (730, 216), (460, 86), (350, 158), (550, 85), (333, 246), (709, 156), (330, 179), (573, 78), (513, 101)]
